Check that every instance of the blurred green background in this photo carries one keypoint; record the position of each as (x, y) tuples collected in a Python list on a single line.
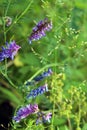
[(65, 44)]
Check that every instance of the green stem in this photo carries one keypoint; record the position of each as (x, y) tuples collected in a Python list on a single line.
[(26, 9), (7, 7), (6, 76), (4, 20), (5, 42), (55, 54), (9, 95), (5, 32), (22, 14), (69, 123), (11, 82), (79, 115), (4, 29), (5, 66)]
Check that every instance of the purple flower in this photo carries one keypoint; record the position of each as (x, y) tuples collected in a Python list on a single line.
[(40, 77), (38, 91), (43, 118), (10, 51), (45, 74), (23, 112), (39, 30), (47, 117)]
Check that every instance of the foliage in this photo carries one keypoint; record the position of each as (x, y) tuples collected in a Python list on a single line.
[(63, 49)]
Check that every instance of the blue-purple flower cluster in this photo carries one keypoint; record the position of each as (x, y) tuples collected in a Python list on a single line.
[(43, 75), (29, 109), (34, 93), (40, 77), (10, 51), (40, 29), (23, 112), (43, 118)]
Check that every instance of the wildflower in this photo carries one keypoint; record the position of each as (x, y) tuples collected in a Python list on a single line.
[(10, 51), (39, 30), (38, 91), (30, 83), (8, 21), (40, 77), (47, 117), (23, 112), (45, 74), (43, 118)]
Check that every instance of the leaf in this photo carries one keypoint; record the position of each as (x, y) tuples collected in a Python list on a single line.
[(59, 121), (84, 127), (9, 95), (63, 128)]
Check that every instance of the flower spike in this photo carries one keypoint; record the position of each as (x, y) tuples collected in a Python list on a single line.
[(23, 112), (40, 30), (38, 91), (10, 51)]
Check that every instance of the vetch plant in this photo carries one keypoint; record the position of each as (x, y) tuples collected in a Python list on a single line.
[(47, 91), (43, 118), (23, 112), (40, 77), (38, 91), (39, 30), (10, 51)]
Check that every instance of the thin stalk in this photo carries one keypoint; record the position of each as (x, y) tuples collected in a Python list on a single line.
[(5, 42), (4, 29), (22, 14), (4, 20), (7, 7), (5, 66), (6, 76), (10, 95), (10, 82), (69, 123), (55, 54), (79, 115)]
